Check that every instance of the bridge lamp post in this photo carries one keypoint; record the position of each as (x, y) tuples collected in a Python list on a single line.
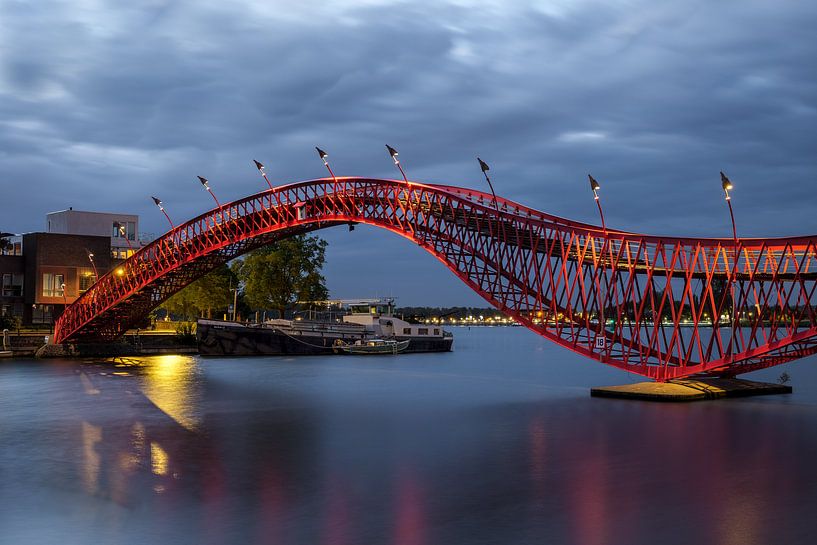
[(158, 203), (323, 155), (120, 228), (594, 186), (93, 264), (485, 168), (727, 186), (726, 183), (393, 153), (263, 172), (205, 184)]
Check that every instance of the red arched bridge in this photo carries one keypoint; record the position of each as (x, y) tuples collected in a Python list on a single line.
[(661, 307)]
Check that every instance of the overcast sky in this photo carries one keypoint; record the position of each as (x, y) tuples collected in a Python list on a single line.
[(103, 105)]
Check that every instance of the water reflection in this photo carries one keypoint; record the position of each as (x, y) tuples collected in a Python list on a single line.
[(410, 521), (311, 451), (91, 435), (171, 383)]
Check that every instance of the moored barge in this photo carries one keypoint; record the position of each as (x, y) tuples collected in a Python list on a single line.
[(367, 319)]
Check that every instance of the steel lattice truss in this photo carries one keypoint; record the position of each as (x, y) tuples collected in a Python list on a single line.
[(661, 307)]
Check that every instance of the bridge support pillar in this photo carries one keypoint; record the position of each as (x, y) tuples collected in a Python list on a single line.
[(691, 389)]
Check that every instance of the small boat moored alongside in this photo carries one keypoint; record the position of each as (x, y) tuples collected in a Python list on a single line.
[(372, 346)]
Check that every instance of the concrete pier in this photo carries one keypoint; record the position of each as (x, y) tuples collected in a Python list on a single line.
[(691, 389)]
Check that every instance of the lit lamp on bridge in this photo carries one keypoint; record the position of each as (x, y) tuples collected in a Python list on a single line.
[(323, 155), (93, 264), (485, 168), (726, 184), (263, 172), (158, 203), (120, 228), (594, 186), (393, 153), (204, 182)]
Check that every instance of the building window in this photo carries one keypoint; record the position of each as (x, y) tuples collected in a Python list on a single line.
[(121, 253), (422, 331), (11, 285), (11, 310), (15, 247), (41, 314), (129, 228), (53, 285), (406, 331), (436, 331), (86, 280)]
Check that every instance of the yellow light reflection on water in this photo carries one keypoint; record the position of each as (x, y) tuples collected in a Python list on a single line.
[(91, 435), (170, 382), (158, 459)]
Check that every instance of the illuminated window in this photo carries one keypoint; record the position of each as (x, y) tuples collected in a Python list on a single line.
[(52, 285), (86, 280), (128, 226)]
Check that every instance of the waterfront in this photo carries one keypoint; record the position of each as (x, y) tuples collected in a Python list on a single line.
[(496, 442)]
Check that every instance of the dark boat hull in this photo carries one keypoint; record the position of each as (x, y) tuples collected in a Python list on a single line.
[(231, 340)]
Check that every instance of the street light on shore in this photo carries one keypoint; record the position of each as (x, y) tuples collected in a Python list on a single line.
[(594, 186), (205, 184), (485, 168), (263, 172), (158, 203), (393, 153)]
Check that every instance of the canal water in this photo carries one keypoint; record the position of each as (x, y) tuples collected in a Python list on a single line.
[(497, 442)]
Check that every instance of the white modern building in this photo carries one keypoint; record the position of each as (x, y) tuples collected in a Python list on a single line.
[(121, 228)]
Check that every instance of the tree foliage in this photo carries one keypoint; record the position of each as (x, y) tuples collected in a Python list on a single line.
[(210, 293), (278, 275)]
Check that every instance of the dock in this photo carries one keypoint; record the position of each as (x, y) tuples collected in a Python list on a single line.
[(692, 389)]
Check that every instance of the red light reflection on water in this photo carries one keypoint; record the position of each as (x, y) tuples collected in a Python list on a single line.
[(338, 522), (538, 462), (410, 520)]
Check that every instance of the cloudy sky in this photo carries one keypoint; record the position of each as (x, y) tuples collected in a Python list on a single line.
[(103, 105)]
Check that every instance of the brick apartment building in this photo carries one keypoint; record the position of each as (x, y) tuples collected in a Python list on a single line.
[(41, 273)]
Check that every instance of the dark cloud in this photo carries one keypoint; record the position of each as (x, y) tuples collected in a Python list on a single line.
[(103, 105)]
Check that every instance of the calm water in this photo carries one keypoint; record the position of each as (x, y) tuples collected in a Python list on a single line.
[(496, 443)]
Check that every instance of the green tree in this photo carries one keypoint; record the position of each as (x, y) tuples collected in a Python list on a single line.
[(211, 292), (278, 275)]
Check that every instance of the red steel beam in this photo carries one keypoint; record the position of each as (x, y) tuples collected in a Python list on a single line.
[(660, 307)]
